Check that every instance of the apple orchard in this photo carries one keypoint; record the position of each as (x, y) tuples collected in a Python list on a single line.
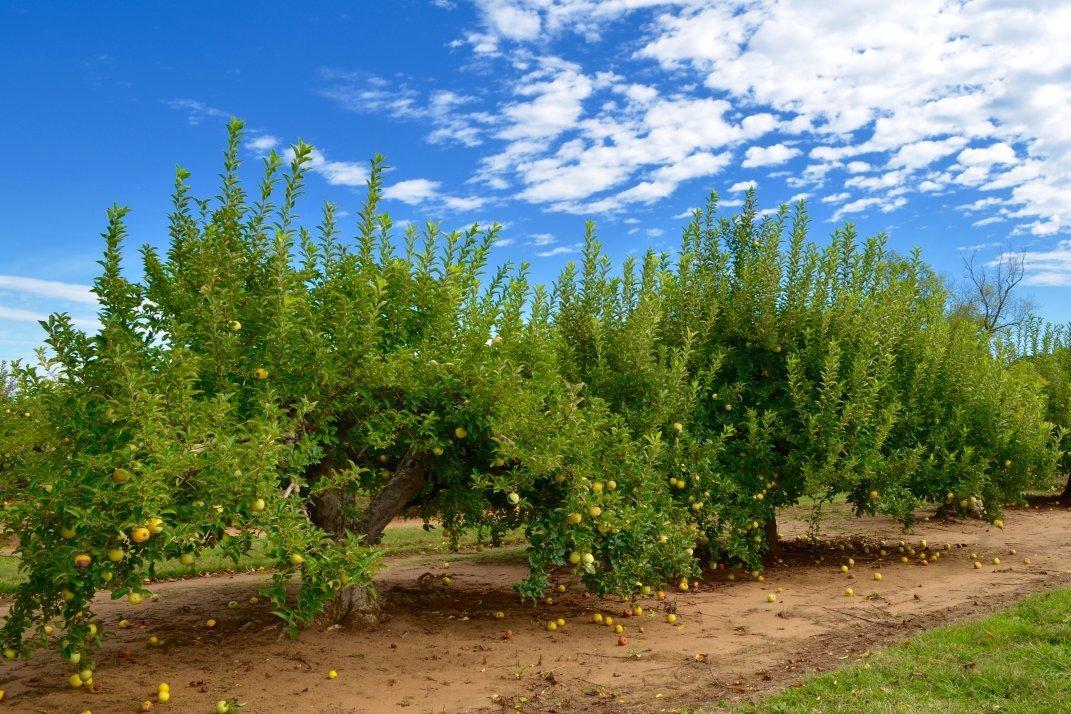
[(273, 383)]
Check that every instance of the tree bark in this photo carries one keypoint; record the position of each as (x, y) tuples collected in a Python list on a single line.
[(335, 512), (1065, 497), (773, 542)]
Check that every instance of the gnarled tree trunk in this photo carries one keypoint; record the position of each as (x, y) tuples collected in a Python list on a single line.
[(773, 542), (336, 513)]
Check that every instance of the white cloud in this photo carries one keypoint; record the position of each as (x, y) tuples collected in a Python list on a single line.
[(756, 156), (914, 96), (655, 232), (413, 191), (450, 114), (909, 85), (543, 239), (197, 112), (262, 144), (1048, 267), (992, 155), (552, 97), (920, 154), (425, 192), (860, 205), (14, 314), (68, 292), (701, 163), (743, 186), (336, 173), (560, 250), (510, 21)]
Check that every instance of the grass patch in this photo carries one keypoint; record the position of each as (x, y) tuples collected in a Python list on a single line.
[(1018, 660), (404, 539)]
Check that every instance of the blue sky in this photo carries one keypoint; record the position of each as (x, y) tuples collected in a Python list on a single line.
[(945, 124)]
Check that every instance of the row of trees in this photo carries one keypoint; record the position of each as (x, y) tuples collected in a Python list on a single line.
[(269, 381)]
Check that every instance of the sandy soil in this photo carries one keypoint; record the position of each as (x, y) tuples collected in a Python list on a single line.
[(443, 650)]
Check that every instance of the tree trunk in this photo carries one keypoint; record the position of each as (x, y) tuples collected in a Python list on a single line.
[(336, 513), (773, 542), (1065, 497)]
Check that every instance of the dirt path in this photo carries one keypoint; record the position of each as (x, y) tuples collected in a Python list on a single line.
[(443, 650)]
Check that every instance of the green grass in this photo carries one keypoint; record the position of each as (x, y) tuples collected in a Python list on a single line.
[(1018, 660), (408, 539)]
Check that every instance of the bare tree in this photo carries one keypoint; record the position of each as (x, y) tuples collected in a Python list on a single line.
[(989, 292)]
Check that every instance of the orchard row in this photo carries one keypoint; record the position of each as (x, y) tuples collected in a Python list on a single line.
[(268, 381)]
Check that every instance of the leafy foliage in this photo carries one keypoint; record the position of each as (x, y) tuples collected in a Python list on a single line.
[(268, 380)]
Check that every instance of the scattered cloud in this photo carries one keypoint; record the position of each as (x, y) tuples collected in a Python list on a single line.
[(757, 156), (197, 112), (946, 96), (1049, 268), (425, 192), (338, 173), (413, 191), (66, 292), (14, 314), (262, 144), (450, 114), (560, 250)]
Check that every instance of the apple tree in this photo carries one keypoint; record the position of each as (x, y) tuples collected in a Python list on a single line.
[(268, 383)]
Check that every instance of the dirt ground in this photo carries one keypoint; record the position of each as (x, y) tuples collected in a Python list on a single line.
[(443, 650)]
